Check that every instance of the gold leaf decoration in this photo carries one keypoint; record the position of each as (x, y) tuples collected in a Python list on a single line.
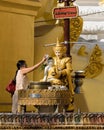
[(82, 51), (95, 65), (76, 25)]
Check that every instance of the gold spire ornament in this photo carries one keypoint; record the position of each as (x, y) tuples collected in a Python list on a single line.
[(58, 43), (59, 47)]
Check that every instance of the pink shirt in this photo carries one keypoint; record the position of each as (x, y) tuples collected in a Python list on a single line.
[(22, 81)]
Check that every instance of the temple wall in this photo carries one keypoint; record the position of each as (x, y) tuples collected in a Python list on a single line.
[(16, 41)]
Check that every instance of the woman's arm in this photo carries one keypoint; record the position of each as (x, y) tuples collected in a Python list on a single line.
[(29, 69)]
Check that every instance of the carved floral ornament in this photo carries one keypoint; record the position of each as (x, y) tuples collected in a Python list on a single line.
[(95, 65)]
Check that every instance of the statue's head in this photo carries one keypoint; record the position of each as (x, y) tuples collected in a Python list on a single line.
[(59, 49), (50, 61)]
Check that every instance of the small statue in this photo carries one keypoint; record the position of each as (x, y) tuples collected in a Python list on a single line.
[(51, 74)]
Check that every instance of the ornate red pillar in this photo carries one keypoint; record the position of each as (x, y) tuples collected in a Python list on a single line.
[(67, 31), (67, 28)]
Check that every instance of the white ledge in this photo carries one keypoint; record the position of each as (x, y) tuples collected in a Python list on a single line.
[(93, 19), (87, 10), (93, 27)]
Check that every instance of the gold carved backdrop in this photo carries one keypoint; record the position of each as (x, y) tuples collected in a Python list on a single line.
[(92, 89)]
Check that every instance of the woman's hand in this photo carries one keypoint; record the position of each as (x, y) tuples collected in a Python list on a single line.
[(45, 57)]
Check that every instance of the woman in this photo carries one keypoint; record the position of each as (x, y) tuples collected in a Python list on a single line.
[(22, 81)]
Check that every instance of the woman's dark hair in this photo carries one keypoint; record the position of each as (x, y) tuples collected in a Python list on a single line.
[(21, 63)]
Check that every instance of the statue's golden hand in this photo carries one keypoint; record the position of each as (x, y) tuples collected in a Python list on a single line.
[(53, 73), (59, 73)]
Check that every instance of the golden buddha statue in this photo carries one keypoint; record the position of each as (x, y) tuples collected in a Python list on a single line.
[(64, 68)]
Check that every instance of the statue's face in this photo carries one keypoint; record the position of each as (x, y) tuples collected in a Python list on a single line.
[(51, 62), (59, 53)]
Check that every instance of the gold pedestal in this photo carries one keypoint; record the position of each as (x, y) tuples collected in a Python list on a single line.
[(43, 97)]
